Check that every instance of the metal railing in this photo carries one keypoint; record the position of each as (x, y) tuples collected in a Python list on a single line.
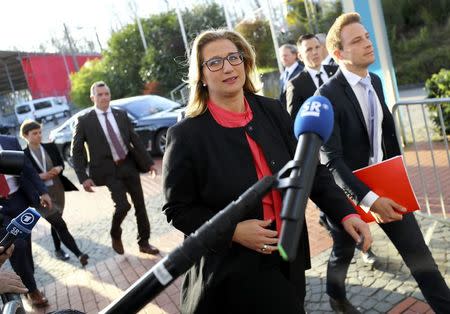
[(180, 93), (424, 145)]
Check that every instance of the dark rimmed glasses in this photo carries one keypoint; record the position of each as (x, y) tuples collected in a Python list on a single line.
[(216, 64)]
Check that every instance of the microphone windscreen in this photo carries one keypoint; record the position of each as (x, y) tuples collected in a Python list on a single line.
[(22, 225), (315, 116)]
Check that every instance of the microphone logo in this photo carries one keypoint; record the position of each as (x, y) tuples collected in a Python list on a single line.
[(27, 219), (312, 108)]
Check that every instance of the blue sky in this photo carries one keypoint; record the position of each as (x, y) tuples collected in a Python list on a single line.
[(25, 24)]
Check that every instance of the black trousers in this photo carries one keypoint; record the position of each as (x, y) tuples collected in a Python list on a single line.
[(22, 257), (125, 181), (60, 232), (408, 239)]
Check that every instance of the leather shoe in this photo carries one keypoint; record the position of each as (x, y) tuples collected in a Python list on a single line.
[(83, 258), (117, 246), (343, 306), (37, 298), (148, 249), (62, 255)]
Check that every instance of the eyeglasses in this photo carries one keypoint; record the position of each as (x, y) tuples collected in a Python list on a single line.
[(216, 64)]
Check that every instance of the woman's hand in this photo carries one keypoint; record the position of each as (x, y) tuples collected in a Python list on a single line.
[(4, 255), (55, 171), (253, 234), (46, 176)]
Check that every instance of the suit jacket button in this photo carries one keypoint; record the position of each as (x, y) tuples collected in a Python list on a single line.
[(273, 162)]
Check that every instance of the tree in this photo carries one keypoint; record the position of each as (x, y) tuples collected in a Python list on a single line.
[(257, 32), (130, 70), (92, 70), (123, 60)]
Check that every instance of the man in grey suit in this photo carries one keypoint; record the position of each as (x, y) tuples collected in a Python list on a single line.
[(115, 155)]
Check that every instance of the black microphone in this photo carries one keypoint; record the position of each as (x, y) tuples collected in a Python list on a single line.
[(11, 162), (20, 227), (313, 126)]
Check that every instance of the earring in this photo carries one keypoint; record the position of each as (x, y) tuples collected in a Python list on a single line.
[(203, 84)]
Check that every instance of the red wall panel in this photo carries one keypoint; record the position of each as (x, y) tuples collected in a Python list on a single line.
[(47, 75)]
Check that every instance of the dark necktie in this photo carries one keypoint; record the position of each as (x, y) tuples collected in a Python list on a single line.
[(4, 188), (114, 140), (319, 77), (373, 114)]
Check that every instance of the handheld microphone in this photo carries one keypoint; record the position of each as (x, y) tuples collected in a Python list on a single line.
[(313, 126), (20, 227)]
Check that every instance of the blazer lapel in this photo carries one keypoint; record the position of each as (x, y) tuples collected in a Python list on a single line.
[(352, 97), (96, 124), (330, 70)]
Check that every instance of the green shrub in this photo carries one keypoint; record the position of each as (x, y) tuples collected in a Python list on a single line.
[(438, 86)]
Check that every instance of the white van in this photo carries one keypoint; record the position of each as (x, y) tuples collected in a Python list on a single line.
[(42, 109)]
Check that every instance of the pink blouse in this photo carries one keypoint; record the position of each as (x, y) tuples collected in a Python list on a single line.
[(272, 201)]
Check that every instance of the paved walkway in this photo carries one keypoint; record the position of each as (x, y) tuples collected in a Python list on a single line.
[(388, 288)]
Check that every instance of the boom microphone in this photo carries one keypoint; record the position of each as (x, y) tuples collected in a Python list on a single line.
[(313, 126), (11, 162), (20, 227)]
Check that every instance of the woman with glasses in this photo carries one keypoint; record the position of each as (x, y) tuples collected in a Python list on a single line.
[(230, 139)]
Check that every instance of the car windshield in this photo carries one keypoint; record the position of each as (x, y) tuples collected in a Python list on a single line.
[(148, 106)]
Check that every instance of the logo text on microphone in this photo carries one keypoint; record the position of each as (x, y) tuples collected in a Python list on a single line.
[(27, 219)]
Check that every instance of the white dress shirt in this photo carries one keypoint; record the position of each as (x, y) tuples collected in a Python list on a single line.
[(363, 101), (112, 121), (287, 72), (313, 74)]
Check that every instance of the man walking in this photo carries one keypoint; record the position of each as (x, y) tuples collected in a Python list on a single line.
[(115, 154), (313, 75), (364, 134)]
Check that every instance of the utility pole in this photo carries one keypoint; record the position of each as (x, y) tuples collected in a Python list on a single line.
[(274, 36), (183, 31), (227, 14), (71, 47), (133, 8)]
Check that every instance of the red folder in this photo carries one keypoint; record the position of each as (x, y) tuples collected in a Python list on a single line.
[(389, 179)]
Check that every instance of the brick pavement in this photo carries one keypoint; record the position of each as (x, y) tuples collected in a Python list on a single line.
[(389, 288)]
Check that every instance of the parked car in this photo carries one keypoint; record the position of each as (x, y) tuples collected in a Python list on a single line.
[(151, 116), (42, 109)]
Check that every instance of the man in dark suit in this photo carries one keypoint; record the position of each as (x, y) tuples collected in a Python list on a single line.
[(115, 155), (16, 194), (292, 67), (310, 51), (313, 75), (364, 134)]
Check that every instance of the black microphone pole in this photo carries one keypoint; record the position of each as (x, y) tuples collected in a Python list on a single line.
[(207, 237), (300, 183)]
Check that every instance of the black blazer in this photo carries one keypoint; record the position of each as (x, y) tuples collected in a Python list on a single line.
[(301, 88), (348, 148), (101, 163), (55, 156), (206, 166), (293, 75)]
